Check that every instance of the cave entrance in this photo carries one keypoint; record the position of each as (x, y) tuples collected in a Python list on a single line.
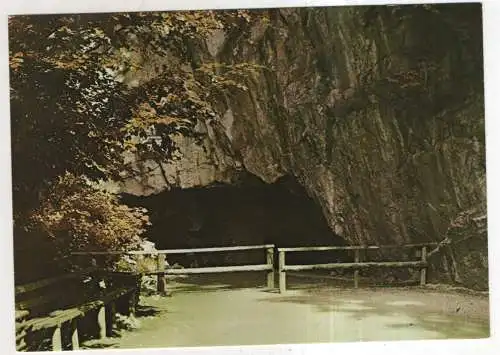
[(248, 213)]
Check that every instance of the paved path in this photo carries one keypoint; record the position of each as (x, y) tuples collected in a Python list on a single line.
[(203, 313)]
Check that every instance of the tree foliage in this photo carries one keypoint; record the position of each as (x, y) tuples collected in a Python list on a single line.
[(74, 112), (77, 216), (70, 104)]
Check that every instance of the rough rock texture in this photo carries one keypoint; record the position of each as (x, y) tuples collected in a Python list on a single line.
[(198, 164), (378, 113)]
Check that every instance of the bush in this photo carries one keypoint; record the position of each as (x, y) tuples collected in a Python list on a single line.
[(75, 216)]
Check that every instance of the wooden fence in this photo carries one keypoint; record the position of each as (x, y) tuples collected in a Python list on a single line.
[(163, 269), (358, 264)]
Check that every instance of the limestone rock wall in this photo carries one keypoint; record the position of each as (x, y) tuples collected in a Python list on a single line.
[(377, 112)]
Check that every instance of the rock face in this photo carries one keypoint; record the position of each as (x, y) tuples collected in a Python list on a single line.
[(377, 112)]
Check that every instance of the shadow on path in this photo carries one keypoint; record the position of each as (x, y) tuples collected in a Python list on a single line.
[(236, 309), (146, 311), (450, 315), (216, 282)]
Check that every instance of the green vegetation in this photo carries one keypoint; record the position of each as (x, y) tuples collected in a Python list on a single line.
[(74, 112)]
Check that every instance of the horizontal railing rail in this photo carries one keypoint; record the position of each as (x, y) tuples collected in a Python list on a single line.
[(218, 269), (361, 265), (176, 251), (357, 247), (39, 308), (163, 269)]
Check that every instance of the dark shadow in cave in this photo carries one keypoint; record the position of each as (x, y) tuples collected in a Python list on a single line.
[(249, 213)]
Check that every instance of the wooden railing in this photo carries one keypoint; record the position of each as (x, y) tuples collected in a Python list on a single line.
[(42, 309), (357, 264), (163, 269)]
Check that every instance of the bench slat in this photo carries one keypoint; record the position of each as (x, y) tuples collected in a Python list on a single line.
[(52, 302), (42, 304), (21, 314), (22, 347), (58, 317), (32, 286)]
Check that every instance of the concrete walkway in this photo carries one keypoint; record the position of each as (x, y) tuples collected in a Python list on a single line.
[(206, 312)]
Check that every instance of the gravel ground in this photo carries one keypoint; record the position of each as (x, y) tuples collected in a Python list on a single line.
[(203, 311)]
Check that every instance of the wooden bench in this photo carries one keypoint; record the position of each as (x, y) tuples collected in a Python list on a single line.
[(58, 305)]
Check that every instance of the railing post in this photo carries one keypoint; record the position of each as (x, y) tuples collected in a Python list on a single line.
[(57, 339), (161, 273), (282, 272), (423, 270), (131, 303), (101, 321), (356, 270), (75, 344), (111, 318), (270, 262)]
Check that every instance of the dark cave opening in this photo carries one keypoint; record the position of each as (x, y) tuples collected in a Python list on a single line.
[(249, 213)]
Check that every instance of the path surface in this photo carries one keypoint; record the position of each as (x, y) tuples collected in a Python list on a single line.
[(206, 312)]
